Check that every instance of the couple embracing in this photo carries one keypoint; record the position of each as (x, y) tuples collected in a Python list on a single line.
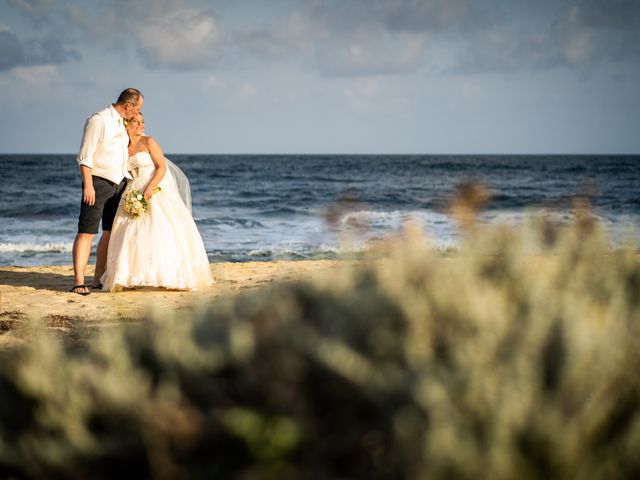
[(143, 201)]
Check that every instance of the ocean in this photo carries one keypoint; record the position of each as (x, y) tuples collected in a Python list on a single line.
[(265, 207)]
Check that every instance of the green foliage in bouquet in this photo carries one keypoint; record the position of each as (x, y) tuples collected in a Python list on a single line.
[(516, 358)]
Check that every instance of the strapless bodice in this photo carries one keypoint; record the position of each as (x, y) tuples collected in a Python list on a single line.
[(139, 160)]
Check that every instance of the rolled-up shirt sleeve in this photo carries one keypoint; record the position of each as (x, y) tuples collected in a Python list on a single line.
[(93, 132)]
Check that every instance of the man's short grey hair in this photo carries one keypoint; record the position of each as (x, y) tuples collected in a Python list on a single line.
[(129, 95)]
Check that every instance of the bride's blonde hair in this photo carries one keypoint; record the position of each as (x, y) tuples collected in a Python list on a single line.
[(127, 120)]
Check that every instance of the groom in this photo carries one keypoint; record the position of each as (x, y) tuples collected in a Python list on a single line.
[(102, 159)]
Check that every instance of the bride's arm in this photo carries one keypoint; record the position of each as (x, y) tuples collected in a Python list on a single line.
[(157, 155)]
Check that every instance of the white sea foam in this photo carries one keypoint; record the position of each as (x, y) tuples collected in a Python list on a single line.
[(52, 247)]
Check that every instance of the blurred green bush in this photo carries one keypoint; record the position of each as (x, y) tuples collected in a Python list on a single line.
[(515, 358)]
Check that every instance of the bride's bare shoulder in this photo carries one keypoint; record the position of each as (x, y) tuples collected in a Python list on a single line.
[(153, 146), (149, 141)]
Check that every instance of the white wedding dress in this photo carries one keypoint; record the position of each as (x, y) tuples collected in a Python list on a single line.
[(160, 248)]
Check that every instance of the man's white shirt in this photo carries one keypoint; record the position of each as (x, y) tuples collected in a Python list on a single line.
[(104, 145)]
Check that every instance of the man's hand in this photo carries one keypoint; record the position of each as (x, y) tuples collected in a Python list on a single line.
[(89, 195)]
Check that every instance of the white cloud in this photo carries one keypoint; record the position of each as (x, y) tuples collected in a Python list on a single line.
[(178, 38), (337, 42), (411, 15), (579, 47), (164, 33), (32, 7), (37, 76), (343, 38), (247, 90), (212, 82), (364, 92), (79, 17), (365, 37), (12, 52), (372, 51)]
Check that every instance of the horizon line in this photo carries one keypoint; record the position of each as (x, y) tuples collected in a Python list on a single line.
[(581, 154)]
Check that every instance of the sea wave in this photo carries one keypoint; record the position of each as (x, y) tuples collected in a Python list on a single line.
[(255, 207), (232, 222), (395, 218), (53, 247)]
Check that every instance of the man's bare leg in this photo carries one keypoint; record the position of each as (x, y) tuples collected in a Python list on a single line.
[(101, 257), (81, 253)]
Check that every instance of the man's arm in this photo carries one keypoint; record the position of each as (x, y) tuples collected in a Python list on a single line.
[(93, 132), (88, 192)]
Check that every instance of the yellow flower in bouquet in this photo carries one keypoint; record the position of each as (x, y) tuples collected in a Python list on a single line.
[(135, 204)]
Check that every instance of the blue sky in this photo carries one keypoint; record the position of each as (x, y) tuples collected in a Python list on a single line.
[(327, 76)]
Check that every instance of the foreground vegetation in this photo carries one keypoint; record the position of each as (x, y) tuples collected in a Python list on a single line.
[(518, 358)]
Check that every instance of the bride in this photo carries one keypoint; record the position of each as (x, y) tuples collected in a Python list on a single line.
[(162, 246)]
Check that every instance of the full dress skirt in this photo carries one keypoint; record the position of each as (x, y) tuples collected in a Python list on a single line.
[(160, 248)]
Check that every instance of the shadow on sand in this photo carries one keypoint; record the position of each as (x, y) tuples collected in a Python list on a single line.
[(51, 281)]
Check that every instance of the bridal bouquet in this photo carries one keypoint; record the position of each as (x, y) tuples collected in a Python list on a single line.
[(135, 204)]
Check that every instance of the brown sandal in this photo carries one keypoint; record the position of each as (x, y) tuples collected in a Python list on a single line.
[(84, 293)]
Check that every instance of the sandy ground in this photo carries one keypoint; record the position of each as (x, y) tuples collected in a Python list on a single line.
[(41, 293)]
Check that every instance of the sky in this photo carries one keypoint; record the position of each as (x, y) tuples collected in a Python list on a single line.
[(328, 76)]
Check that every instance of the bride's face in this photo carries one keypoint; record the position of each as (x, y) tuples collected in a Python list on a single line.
[(135, 125)]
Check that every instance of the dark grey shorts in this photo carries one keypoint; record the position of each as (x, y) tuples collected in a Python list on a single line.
[(107, 198)]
